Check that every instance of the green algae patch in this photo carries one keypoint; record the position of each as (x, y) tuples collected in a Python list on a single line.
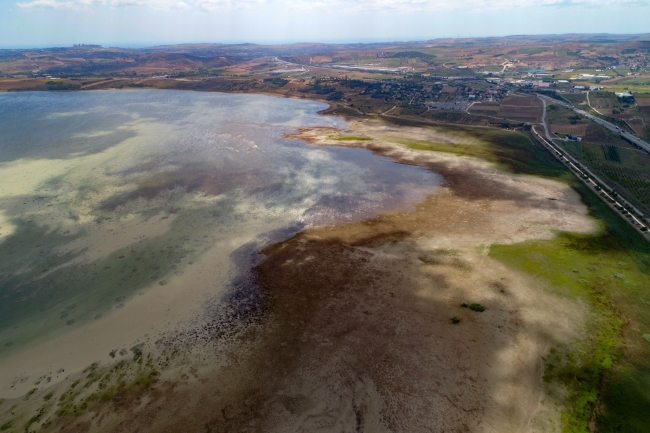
[(351, 138), (474, 150)]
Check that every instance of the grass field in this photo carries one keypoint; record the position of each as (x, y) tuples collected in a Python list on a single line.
[(635, 84), (623, 87)]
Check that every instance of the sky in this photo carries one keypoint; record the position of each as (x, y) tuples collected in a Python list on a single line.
[(138, 23)]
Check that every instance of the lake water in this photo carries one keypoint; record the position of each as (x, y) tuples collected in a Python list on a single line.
[(121, 211)]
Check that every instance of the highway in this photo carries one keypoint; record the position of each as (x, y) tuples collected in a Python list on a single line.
[(626, 135), (617, 204)]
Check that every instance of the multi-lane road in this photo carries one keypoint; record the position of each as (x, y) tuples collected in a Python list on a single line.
[(624, 134), (617, 204)]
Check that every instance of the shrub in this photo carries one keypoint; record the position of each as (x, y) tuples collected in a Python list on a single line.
[(455, 320), (336, 96), (477, 307), (59, 85)]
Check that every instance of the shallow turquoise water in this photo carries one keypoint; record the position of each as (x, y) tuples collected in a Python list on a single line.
[(212, 164)]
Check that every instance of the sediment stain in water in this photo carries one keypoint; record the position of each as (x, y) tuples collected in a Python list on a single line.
[(112, 194)]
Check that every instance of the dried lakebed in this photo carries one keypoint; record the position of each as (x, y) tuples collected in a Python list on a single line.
[(344, 323)]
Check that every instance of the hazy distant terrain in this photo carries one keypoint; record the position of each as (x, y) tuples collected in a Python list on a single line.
[(479, 54)]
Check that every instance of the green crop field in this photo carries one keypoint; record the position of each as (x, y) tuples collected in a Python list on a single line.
[(629, 168), (624, 168), (641, 86)]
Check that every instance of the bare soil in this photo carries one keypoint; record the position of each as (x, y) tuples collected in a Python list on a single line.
[(579, 129)]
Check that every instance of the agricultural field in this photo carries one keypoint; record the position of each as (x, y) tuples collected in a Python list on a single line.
[(619, 163), (607, 103), (637, 84), (633, 113), (627, 168), (638, 126), (557, 114), (489, 108), (565, 56), (575, 98), (568, 128), (643, 107), (521, 108)]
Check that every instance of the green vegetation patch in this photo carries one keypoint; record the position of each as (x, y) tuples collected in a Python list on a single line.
[(60, 85), (607, 373), (351, 138), (584, 267), (474, 150), (533, 50), (512, 151), (476, 307)]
